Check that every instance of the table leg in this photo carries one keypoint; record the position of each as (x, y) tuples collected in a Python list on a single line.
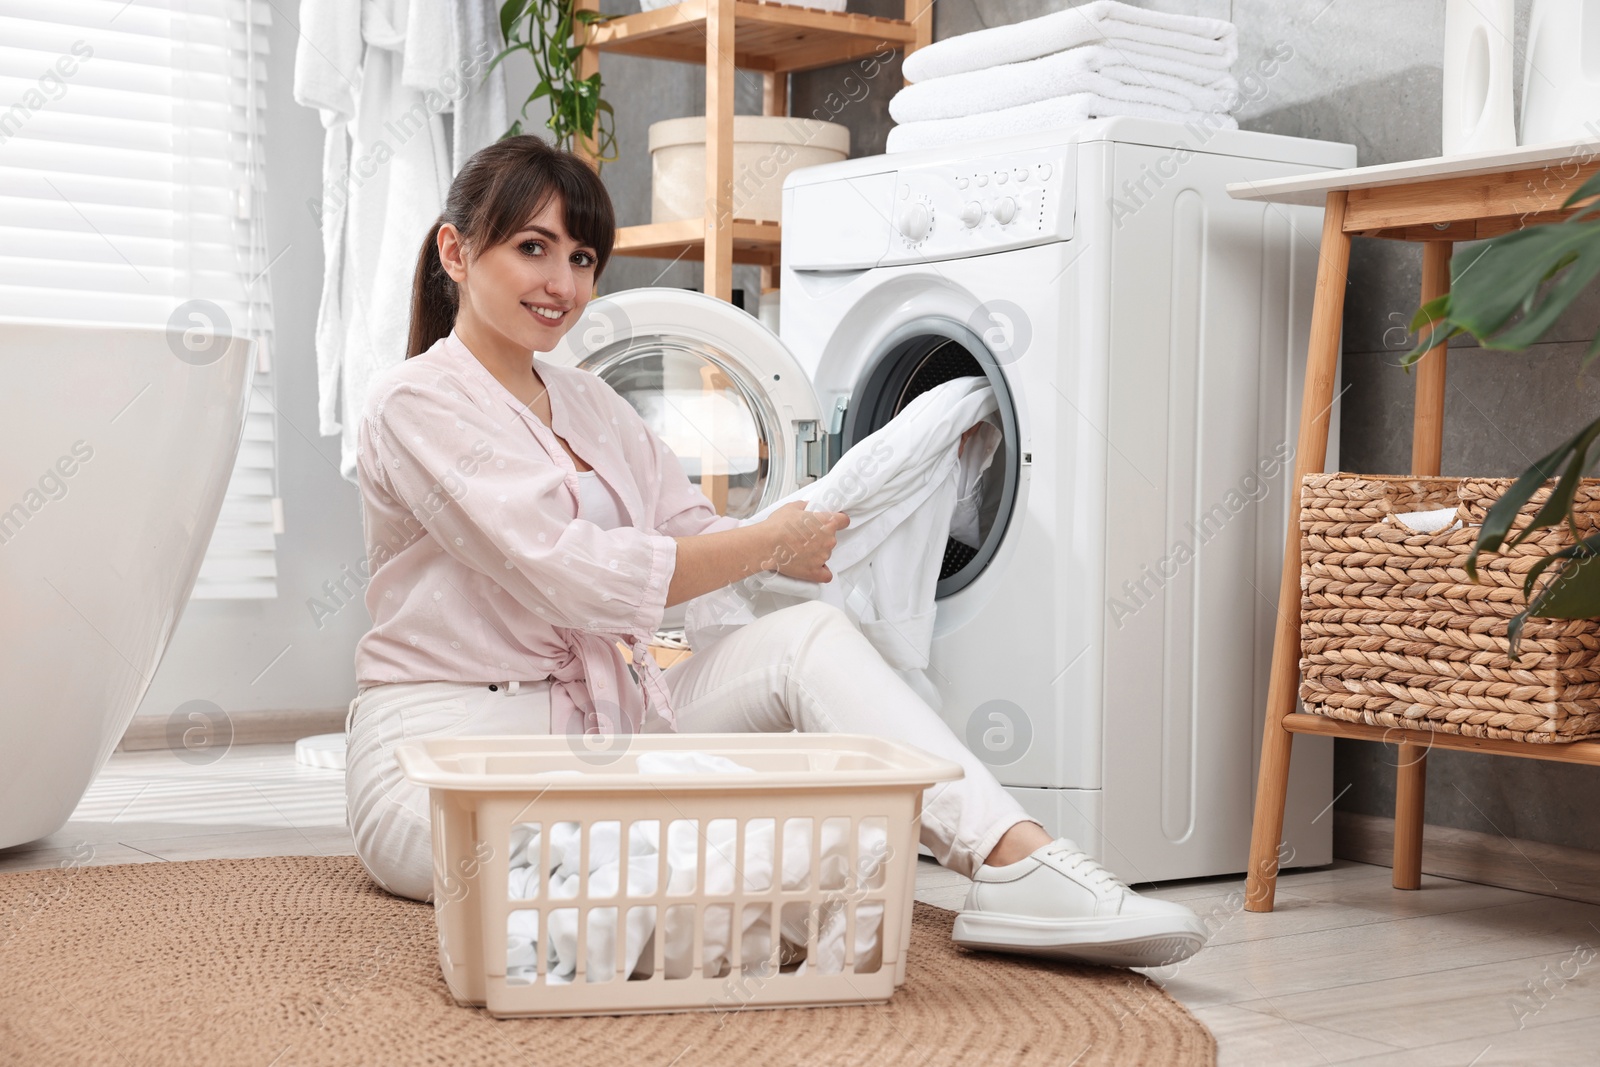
[(1427, 413), (1427, 446), (1410, 780), (1322, 364)]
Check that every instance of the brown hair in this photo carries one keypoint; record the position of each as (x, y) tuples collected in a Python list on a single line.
[(499, 189)]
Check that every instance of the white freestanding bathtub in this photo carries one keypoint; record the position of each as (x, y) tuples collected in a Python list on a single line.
[(116, 446)]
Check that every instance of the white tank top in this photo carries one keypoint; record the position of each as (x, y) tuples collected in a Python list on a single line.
[(598, 502)]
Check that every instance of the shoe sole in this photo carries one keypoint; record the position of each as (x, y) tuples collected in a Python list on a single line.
[(1108, 942)]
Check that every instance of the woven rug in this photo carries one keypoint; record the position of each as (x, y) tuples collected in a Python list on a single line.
[(301, 960)]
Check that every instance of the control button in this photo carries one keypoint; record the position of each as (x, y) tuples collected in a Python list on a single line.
[(1005, 211), (983, 179), (1044, 172), (914, 221), (1021, 174), (972, 214), (905, 191), (961, 183), (1000, 179)]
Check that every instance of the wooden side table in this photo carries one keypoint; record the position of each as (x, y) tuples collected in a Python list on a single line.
[(1435, 202)]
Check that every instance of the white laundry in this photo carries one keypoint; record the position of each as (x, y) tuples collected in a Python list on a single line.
[(605, 863), (381, 73), (1055, 113), (905, 489), (1099, 69), (1204, 42), (1431, 521)]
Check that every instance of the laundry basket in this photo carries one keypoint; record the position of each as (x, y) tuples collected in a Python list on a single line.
[(1394, 633), (812, 851)]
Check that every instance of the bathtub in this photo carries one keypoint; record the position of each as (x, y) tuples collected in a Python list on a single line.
[(116, 446)]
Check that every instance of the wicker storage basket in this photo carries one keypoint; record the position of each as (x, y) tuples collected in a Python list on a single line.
[(1393, 633)]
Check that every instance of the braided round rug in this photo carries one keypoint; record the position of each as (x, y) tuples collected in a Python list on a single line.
[(301, 960)]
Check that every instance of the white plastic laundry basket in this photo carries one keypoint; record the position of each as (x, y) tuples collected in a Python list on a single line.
[(835, 816)]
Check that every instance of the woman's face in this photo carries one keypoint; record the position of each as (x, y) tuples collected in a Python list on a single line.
[(530, 288)]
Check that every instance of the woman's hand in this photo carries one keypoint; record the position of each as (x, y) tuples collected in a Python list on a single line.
[(792, 541), (801, 541)]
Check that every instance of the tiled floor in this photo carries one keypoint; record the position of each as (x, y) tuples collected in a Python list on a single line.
[(1346, 969)]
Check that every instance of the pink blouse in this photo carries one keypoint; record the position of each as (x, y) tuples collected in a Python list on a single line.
[(480, 568)]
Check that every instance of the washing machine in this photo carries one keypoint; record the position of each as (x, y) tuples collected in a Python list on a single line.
[(1105, 647)]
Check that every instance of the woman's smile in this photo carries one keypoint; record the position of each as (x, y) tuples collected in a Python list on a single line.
[(549, 314)]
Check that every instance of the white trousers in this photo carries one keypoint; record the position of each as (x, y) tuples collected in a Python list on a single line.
[(803, 668)]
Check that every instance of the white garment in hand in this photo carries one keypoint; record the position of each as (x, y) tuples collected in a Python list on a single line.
[(900, 487), (677, 937), (1208, 42), (1108, 72), (1058, 113)]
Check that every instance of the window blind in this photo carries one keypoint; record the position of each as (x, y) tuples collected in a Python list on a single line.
[(131, 182)]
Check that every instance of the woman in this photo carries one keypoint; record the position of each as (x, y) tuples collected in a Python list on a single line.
[(523, 519)]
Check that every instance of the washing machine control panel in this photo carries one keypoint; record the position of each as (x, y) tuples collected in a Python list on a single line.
[(981, 205)]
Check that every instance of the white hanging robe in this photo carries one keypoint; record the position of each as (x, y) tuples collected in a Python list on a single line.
[(381, 73)]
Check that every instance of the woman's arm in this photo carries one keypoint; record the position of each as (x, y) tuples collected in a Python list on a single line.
[(792, 541)]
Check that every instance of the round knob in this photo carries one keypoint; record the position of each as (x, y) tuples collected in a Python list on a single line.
[(1000, 179), (1044, 172), (983, 179), (914, 220), (972, 214), (1021, 174), (961, 183), (1005, 211)]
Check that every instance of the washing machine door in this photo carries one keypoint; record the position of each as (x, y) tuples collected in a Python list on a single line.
[(713, 382)]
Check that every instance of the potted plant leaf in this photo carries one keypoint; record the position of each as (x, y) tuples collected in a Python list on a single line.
[(544, 29), (1508, 292)]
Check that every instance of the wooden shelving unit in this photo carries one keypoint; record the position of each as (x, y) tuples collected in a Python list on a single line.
[(728, 35)]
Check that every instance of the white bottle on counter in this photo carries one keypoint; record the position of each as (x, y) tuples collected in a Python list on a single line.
[(1477, 76), (1561, 76)]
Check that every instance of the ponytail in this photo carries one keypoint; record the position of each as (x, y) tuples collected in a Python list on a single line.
[(498, 190), (433, 296)]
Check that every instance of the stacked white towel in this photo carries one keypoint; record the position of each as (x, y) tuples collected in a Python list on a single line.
[(1097, 60), (716, 882)]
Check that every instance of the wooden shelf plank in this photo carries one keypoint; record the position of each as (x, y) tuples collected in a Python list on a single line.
[(768, 36), (1562, 752), (754, 241)]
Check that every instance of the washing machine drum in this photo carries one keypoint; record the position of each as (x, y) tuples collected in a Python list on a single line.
[(730, 400)]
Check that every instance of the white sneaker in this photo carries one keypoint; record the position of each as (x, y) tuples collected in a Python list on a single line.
[(1060, 902)]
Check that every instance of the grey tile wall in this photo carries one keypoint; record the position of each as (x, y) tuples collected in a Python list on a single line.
[(1363, 71)]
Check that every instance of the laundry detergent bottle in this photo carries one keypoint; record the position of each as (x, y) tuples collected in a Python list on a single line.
[(1477, 76), (1561, 75)]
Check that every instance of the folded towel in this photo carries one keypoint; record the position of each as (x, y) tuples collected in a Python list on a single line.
[(1056, 113), (1178, 77), (1212, 43), (1098, 69)]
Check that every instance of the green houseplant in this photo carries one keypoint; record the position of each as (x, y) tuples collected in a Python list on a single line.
[(1507, 292), (543, 29)]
